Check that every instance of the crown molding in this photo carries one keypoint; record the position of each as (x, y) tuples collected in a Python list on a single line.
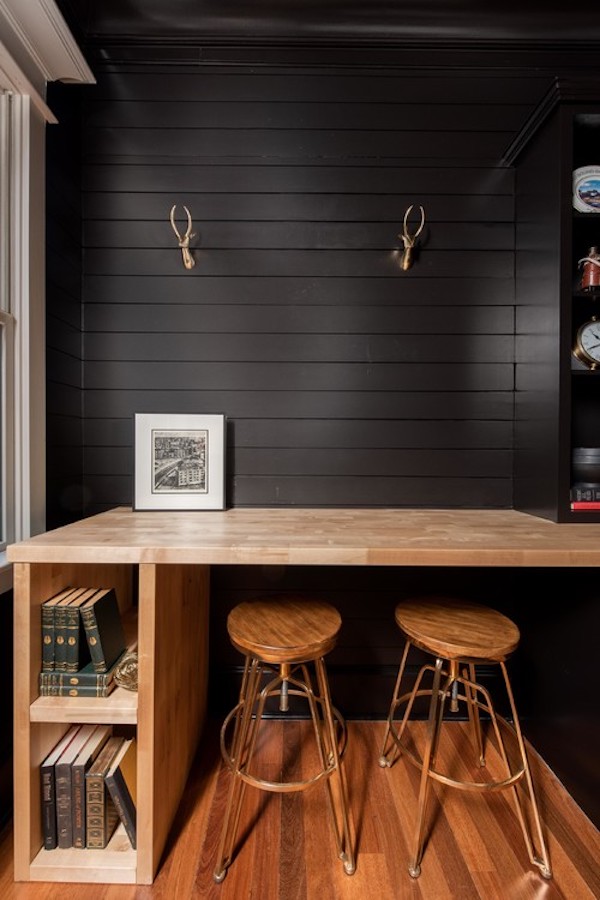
[(36, 35), (564, 90), (12, 79)]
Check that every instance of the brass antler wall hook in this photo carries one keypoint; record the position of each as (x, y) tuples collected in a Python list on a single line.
[(409, 240), (184, 239)]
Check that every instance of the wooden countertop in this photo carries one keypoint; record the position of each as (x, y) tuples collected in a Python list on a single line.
[(375, 537)]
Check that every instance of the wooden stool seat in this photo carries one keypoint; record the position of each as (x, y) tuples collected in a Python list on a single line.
[(284, 629), (460, 635), (284, 640), (457, 629)]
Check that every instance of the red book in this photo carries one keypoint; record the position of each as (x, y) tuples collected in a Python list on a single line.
[(585, 504)]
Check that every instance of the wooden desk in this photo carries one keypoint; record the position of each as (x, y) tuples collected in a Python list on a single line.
[(170, 554)]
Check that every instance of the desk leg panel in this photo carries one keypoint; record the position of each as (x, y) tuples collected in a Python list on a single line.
[(172, 697)]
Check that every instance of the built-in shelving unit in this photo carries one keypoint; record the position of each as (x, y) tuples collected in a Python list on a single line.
[(557, 397), (585, 306)]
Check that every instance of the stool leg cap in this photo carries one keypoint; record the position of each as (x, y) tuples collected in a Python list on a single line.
[(349, 865), (384, 762), (219, 876), (414, 871)]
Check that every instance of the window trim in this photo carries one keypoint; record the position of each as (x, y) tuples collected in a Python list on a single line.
[(36, 34)]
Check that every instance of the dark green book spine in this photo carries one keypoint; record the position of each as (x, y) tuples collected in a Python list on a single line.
[(47, 614), (76, 642), (60, 637), (76, 679), (82, 690), (103, 629)]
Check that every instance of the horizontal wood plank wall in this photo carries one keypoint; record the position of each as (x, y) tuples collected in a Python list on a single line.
[(64, 372), (345, 381)]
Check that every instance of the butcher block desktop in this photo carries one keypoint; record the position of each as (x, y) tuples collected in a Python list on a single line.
[(428, 537), (159, 564)]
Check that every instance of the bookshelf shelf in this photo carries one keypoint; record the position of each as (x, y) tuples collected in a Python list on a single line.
[(117, 864), (118, 708)]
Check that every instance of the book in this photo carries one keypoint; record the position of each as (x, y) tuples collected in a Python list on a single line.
[(47, 617), (60, 629), (63, 788), (85, 676), (77, 650), (585, 504), (80, 766), (121, 781), (81, 690), (101, 815), (48, 784), (581, 492), (103, 628)]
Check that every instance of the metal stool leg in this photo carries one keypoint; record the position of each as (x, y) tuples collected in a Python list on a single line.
[(542, 860), (340, 821), (384, 759), (242, 728), (469, 676), (434, 719)]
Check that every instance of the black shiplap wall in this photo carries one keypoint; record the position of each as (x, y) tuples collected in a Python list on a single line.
[(64, 373), (345, 381)]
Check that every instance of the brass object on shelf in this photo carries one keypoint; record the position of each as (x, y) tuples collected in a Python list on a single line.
[(126, 672), (590, 266)]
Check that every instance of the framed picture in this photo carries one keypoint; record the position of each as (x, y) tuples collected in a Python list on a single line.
[(179, 461)]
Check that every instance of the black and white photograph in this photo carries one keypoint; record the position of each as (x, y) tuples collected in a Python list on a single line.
[(179, 461)]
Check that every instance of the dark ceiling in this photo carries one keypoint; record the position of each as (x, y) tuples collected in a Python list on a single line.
[(397, 22)]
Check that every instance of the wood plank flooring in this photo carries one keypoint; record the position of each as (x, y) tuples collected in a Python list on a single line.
[(475, 849)]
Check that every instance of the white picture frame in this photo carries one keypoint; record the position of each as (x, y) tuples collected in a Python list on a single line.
[(179, 461)]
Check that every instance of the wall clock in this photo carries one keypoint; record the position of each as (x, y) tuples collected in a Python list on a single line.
[(587, 343)]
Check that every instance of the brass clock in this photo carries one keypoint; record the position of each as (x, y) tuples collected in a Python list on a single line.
[(587, 343)]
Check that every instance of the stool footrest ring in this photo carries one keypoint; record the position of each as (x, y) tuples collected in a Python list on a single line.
[(280, 786), (493, 785)]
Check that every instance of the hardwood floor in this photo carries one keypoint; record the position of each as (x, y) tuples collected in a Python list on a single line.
[(475, 849)]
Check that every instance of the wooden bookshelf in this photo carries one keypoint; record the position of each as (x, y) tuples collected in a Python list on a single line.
[(170, 608)]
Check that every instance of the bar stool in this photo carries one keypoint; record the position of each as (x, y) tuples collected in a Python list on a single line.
[(284, 639), (460, 635)]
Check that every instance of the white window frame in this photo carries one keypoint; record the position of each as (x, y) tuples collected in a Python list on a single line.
[(15, 510), (36, 47)]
